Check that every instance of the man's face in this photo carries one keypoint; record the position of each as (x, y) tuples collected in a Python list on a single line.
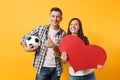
[(55, 18)]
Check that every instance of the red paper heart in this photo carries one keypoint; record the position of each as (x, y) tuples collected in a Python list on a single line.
[(82, 56)]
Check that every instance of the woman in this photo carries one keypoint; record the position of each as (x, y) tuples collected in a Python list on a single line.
[(75, 28)]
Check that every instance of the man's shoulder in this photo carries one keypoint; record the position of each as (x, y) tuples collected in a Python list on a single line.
[(42, 26), (45, 25), (62, 30)]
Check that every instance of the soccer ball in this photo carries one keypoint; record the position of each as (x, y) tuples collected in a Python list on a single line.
[(33, 40)]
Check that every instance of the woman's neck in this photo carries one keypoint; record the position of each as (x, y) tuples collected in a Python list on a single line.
[(75, 34)]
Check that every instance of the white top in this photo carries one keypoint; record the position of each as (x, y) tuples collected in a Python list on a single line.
[(50, 55), (80, 73)]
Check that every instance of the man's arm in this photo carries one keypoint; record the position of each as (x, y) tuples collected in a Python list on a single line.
[(30, 48), (50, 44)]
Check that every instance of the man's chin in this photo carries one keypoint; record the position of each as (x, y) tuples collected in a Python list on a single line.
[(55, 24)]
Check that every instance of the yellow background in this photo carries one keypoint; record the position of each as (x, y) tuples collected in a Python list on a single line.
[(101, 23)]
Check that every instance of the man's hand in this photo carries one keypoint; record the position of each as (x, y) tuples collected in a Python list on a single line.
[(49, 43), (30, 48)]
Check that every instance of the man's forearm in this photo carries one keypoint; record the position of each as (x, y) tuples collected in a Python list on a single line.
[(56, 50)]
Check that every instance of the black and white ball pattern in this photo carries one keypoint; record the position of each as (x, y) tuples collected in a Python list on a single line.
[(33, 40)]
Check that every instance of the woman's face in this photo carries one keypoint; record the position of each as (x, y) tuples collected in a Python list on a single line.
[(74, 27)]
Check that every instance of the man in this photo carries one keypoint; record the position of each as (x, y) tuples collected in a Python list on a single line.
[(47, 57)]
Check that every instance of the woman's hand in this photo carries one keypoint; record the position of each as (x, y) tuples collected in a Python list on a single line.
[(99, 66), (64, 57)]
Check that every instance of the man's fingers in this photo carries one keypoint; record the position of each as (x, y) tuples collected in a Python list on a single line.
[(49, 38)]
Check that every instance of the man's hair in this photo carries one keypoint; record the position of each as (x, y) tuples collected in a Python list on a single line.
[(56, 9)]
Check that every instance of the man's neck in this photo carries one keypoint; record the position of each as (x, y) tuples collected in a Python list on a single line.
[(54, 27)]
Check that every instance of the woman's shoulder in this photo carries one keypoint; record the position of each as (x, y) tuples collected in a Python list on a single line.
[(86, 40)]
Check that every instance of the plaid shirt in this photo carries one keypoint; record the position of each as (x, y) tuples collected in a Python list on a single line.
[(42, 32)]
